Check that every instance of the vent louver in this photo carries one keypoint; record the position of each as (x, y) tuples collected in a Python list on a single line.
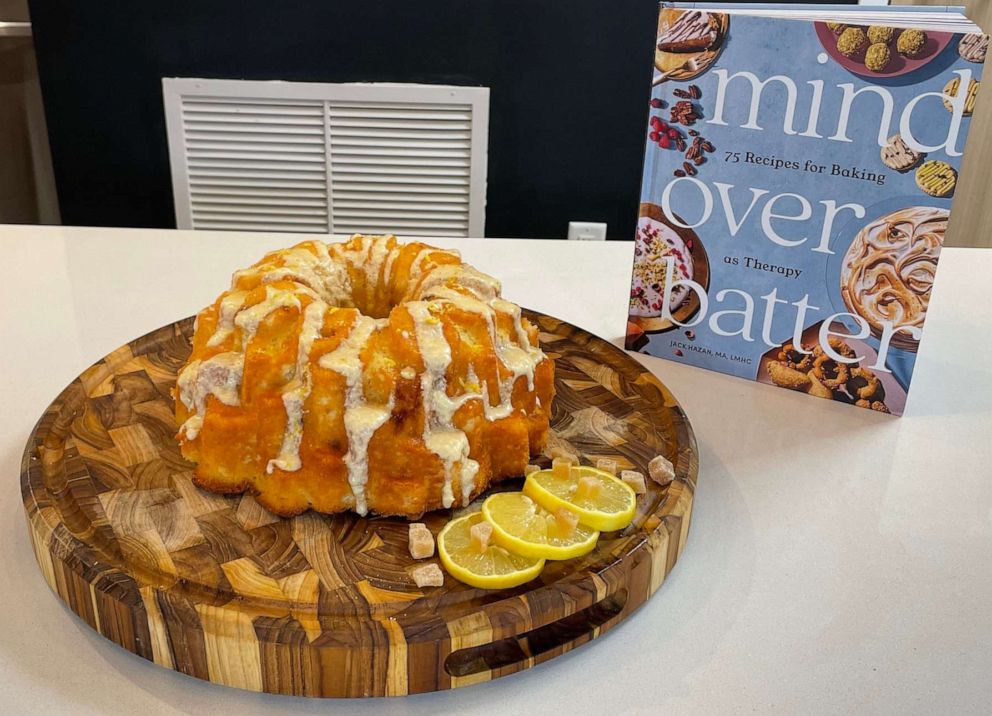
[(278, 156)]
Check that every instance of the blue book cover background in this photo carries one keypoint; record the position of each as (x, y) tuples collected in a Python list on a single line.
[(781, 193)]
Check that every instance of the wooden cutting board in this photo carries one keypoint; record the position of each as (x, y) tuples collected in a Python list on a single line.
[(218, 588)]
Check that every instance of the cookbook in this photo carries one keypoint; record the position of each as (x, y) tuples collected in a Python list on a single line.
[(799, 173)]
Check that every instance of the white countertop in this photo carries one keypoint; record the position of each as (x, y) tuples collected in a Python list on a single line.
[(839, 560)]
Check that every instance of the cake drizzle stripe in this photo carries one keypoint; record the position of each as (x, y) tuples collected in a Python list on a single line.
[(440, 435), (298, 390), (229, 307), (249, 319), (220, 375), (360, 420)]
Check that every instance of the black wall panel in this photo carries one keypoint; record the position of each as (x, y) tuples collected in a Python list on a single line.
[(569, 80)]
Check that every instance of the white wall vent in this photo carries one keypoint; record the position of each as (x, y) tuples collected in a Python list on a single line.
[(328, 158)]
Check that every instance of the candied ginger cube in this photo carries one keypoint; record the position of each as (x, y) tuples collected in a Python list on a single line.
[(421, 541), (564, 453), (531, 468), (566, 521), (635, 480), (561, 467), (607, 464), (661, 470), (427, 575), (588, 487), (480, 534)]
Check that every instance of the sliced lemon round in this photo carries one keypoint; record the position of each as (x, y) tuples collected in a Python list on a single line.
[(524, 527), (602, 501), (493, 567)]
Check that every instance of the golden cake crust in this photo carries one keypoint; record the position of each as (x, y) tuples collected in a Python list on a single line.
[(368, 376)]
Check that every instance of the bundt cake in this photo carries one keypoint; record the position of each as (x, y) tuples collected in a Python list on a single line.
[(367, 375)]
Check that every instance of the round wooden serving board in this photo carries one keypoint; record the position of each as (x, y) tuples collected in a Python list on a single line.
[(317, 605)]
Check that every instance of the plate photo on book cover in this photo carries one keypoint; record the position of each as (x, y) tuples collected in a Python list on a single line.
[(658, 241), (876, 52), (688, 42), (883, 268), (816, 373)]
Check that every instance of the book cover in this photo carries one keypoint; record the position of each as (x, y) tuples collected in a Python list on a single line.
[(798, 180)]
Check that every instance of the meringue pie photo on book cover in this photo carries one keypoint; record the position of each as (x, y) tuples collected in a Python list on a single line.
[(799, 171)]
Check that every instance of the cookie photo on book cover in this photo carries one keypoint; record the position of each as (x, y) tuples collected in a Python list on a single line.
[(657, 241), (973, 47), (937, 178), (898, 155), (688, 42), (951, 90), (814, 372)]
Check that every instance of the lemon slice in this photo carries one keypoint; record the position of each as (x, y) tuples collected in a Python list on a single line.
[(526, 528), (492, 568), (602, 501)]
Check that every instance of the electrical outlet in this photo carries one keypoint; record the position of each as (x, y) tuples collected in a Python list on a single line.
[(586, 231)]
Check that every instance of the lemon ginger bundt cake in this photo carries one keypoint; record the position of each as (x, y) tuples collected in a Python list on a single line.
[(368, 376)]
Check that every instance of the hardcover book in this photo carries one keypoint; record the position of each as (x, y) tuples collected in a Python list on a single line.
[(798, 178)]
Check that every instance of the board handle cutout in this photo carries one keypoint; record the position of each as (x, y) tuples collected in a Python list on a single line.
[(504, 652)]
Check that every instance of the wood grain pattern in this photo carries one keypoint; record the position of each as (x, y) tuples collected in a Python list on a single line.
[(317, 605)]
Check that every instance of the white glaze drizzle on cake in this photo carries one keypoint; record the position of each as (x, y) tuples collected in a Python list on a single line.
[(417, 271), (519, 360), (360, 422), (324, 277), (249, 319), (219, 376), (298, 390), (373, 265), (440, 436), (229, 307)]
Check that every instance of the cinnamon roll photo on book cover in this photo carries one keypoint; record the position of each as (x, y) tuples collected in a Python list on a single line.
[(799, 172)]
